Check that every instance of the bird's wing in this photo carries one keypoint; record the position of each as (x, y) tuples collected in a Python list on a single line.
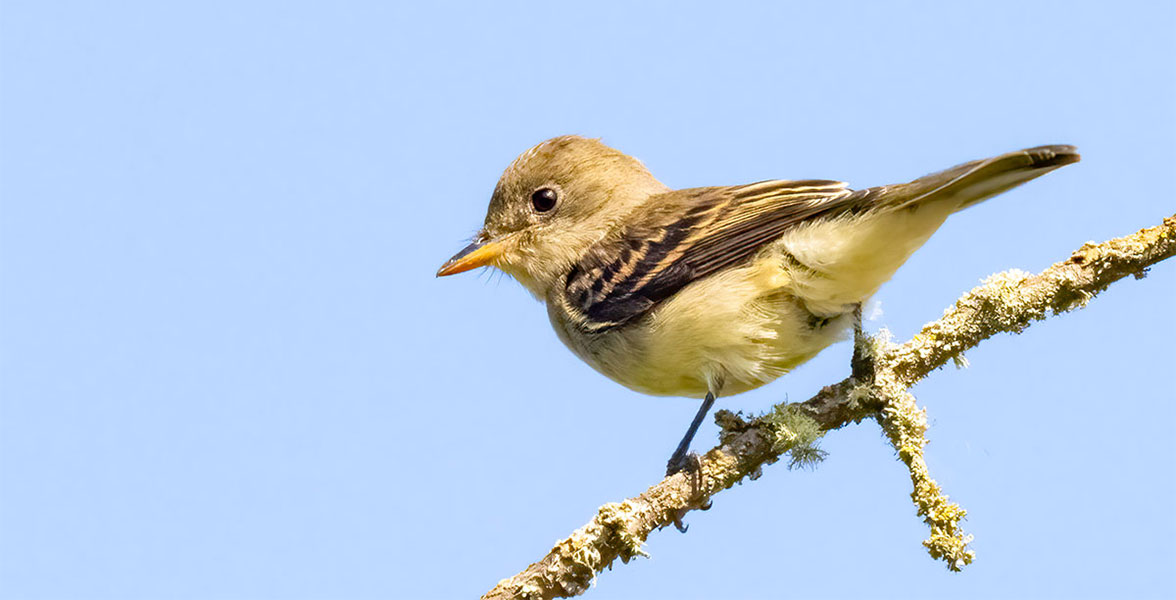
[(683, 236)]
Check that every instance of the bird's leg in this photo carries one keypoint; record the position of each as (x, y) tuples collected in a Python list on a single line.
[(682, 459), (859, 363)]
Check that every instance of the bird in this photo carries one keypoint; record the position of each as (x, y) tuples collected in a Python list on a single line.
[(709, 292)]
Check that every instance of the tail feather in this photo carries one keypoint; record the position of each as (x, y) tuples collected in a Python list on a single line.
[(847, 259), (976, 181)]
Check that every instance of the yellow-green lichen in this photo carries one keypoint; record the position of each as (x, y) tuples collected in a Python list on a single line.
[(615, 518), (906, 426), (796, 434)]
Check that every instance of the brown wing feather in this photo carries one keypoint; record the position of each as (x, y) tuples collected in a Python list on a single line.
[(685, 235)]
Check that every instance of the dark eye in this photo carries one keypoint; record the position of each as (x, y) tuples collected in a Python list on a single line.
[(543, 199)]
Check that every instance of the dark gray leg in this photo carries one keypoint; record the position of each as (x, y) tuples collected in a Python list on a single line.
[(679, 461), (858, 361)]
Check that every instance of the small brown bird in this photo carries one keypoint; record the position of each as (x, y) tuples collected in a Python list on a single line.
[(717, 290)]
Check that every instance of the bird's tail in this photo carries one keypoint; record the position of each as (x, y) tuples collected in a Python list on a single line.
[(976, 181), (847, 258)]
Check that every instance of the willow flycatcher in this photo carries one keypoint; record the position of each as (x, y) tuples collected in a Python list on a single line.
[(717, 290)]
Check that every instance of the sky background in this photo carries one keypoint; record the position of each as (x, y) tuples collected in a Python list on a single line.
[(228, 372)]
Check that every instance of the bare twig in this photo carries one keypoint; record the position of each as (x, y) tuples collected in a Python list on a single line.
[(1006, 302)]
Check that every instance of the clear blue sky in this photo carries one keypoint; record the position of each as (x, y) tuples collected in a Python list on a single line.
[(228, 371)]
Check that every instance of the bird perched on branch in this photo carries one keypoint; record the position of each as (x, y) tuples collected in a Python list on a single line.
[(710, 291)]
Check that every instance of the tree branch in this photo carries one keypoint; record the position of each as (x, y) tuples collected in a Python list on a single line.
[(882, 372)]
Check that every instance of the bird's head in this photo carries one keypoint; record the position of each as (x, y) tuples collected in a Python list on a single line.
[(554, 202)]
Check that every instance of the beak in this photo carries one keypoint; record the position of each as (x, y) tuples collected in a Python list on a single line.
[(478, 254)]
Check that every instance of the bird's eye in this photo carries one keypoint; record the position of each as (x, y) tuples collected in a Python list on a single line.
[(543, 199)]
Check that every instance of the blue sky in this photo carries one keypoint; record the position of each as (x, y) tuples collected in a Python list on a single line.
[(227, 371)]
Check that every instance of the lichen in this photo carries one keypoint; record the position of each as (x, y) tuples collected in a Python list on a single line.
[(796, 434), (905, 424), (615, 517)]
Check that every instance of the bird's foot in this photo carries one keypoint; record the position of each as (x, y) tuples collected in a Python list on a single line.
[(684, 461), (691, 463)]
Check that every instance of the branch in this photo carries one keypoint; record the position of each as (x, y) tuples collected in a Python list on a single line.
[(882, 372)]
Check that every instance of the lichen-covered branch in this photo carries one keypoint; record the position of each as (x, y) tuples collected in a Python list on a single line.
[(1010, 301), (906, 426), (1006, 302)]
